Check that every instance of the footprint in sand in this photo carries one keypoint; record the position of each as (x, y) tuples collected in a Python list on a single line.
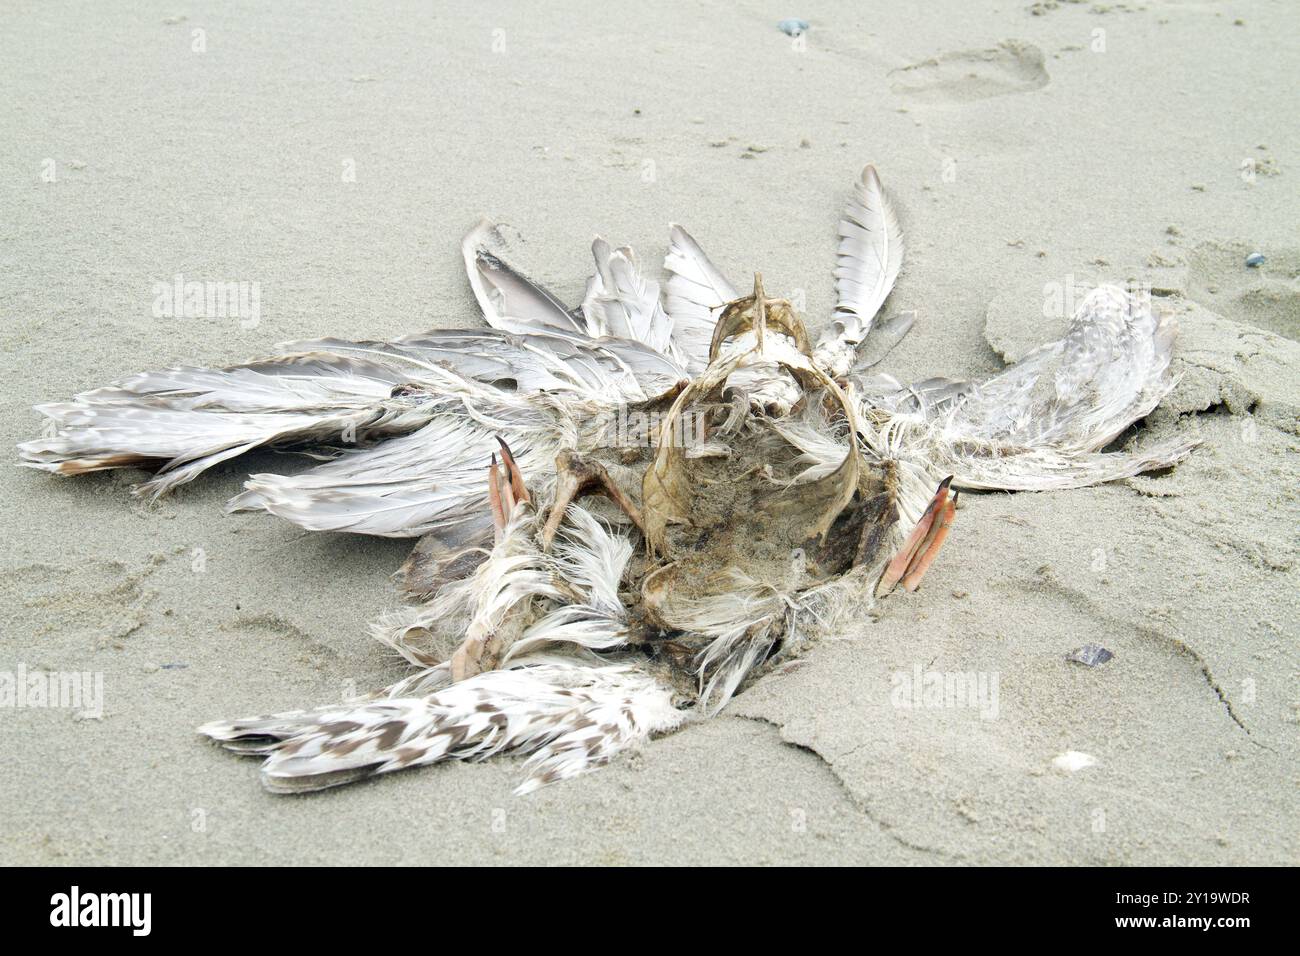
[(1267, 297), (1013, 66), (87, 603)]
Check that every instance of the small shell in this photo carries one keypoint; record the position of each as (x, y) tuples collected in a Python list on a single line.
[(1090, 654), (1073, 760), (793, 26), (1255, 260)]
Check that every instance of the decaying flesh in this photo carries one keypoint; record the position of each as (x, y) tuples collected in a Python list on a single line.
[(728, 520)]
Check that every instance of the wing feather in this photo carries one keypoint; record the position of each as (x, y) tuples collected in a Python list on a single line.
[(568, 717), (1042, 424), (620, 302), (695, 292), (509, 299), (188, 419), (869, 257)]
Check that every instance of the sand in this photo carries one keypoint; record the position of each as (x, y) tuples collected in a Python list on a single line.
[(1026, 150)]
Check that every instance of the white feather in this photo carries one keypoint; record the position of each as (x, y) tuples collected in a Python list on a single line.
[(1040, 425), (696, 291), (869, 257), (431, 480), (509, 300), (590, 558), (620, 302), (188, 419)]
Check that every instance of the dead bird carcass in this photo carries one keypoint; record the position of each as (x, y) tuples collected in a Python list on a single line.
[(748, 485)]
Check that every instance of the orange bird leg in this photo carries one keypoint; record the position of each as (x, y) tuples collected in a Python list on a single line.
[(916, 542), (930, 549), (517, 487), (500, 509)]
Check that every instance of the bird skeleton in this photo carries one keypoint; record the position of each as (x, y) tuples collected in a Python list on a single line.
[(579, 586)]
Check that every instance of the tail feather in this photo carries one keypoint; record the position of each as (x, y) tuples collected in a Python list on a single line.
[(868, 259), (510, 300), (569, 718), (621, 302)]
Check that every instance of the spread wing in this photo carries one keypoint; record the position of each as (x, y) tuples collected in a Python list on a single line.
[(325, 393), (332, 393), (1042, 424)]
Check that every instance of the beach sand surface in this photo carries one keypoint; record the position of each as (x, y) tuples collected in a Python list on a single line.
[(1031, 148)]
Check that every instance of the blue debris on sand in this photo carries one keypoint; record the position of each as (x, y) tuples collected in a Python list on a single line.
[(1091, 655), (793, 26), (1255, 260)]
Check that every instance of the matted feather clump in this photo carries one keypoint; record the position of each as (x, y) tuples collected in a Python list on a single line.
[(629, 510)]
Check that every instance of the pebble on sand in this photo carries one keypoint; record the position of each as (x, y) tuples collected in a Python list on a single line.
[(1255, 260), (793, 26)]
